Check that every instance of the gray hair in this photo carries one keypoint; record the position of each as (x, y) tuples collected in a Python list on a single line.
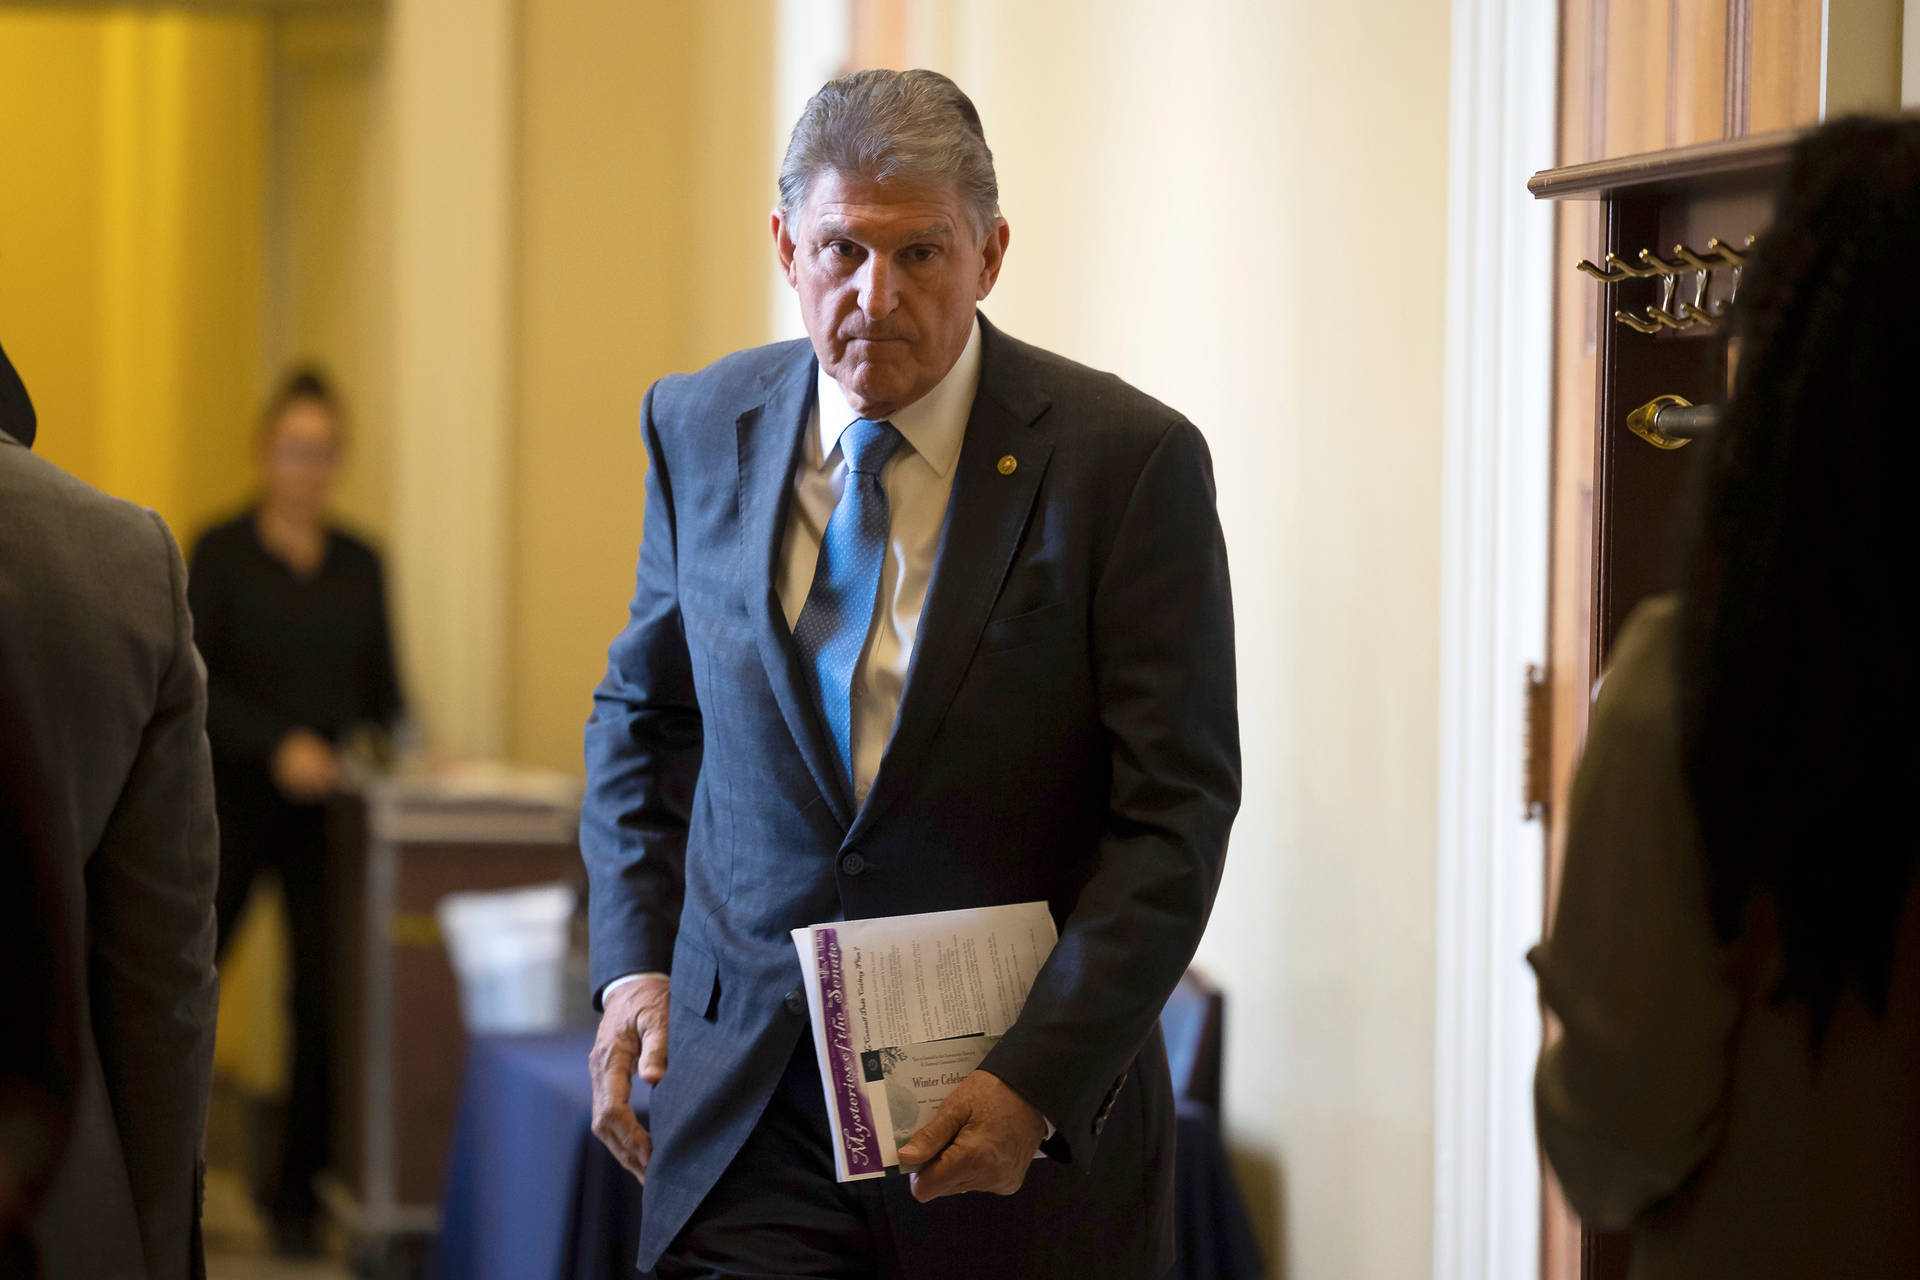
[(893, 126)]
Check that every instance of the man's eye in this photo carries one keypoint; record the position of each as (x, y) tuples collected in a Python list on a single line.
[(922, 253), (843, 249)]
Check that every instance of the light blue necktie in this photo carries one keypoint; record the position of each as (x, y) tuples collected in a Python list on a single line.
[(834, 622)]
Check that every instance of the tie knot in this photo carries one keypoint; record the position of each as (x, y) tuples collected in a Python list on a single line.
[(867, 445)]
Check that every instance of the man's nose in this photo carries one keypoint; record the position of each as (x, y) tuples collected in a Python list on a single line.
[(877, 295)]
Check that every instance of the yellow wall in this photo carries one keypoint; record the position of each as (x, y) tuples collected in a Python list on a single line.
[(130, 243), (1243, 210), (646, 172), (51, 223)]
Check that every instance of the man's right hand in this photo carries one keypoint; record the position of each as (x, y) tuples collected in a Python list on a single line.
[(633, 1035)]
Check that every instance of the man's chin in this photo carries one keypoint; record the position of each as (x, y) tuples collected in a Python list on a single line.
[(874, 391)]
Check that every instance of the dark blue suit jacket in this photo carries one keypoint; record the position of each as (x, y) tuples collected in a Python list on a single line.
[(1067, 732)]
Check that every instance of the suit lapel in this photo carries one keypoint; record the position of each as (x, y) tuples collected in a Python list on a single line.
[(986, 516), (769, 441)]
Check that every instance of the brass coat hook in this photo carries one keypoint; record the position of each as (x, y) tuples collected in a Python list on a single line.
[(1637, 324), (1698, 313), (1658, 266), (1733, 258), (1698, 310), (1692, 259)]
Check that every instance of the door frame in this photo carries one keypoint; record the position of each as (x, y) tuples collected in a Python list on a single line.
[(1495, 486)]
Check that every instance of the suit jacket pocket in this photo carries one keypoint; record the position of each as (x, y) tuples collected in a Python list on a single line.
[(695, 980), (1022, 628)]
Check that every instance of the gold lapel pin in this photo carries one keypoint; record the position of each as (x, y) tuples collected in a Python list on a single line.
[(1008, 465)]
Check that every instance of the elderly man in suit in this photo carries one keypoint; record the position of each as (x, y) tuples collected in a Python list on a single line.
[(96, 593), (926, 618)]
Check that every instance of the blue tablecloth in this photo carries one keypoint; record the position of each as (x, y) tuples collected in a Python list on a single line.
[(532, 1195), (530, 1191), (1213, 1239)]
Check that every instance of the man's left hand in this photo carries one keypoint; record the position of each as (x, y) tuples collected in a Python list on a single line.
[(982, 1138)]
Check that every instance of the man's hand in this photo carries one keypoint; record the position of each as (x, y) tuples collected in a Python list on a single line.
[(633, 1033), (982, 1138), (305, 767)]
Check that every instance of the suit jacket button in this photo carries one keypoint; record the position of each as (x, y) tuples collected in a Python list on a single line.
[(853, 863), (796, 1003)]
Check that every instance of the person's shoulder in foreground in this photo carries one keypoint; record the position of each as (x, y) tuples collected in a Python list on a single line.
[(39, 487), (100, 596)]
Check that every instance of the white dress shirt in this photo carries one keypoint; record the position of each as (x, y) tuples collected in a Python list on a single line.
[(918, 480)]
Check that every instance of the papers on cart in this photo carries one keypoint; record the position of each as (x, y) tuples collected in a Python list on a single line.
[(903, 1007)]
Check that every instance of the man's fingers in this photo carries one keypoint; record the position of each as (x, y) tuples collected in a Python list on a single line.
[(611, 1060), (932, 1181), (614, 1123), (653, 1050), (931, 1138), (615, 1054), (623, 1135), (961, 1167), (640, 1009)]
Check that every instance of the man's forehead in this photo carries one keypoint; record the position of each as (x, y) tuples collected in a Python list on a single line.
[(857, 205), (855, 223)]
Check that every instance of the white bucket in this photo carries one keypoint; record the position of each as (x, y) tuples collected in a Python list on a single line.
[(509, 951)]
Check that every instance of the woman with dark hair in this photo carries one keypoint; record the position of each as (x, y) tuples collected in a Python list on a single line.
[(1735, 956), (290, 615)]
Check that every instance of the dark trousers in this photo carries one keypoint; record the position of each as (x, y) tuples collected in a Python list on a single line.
[(266, 833), (777, 1214)]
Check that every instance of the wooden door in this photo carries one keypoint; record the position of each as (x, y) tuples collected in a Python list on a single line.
[(1636, 76)]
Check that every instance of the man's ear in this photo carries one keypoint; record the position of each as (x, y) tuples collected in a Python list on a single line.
[(783, 246), (992, 254)]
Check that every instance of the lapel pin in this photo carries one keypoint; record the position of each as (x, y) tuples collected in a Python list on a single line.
[(1008, 465)]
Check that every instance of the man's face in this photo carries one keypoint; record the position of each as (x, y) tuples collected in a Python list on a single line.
[(888, 277)]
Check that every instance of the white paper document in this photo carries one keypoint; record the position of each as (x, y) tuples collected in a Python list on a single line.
[(903, 1007)]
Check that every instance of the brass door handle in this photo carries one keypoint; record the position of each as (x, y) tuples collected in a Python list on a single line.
[(1672, 422)]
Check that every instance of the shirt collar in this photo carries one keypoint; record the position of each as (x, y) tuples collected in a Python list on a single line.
[(934, 425)]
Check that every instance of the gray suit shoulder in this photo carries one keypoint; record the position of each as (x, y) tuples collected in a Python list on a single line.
[(1098, 407), (74, 523), (36, 483), (102, 573), (726, 388)]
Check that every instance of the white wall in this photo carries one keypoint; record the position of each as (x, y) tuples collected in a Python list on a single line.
[(1239, 205)]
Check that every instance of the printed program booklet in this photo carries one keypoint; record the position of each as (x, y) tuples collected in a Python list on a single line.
[(903, 1007)]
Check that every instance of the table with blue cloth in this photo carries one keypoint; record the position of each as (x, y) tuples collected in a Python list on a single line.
[(531, 1193)]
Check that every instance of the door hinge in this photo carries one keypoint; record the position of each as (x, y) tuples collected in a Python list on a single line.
[(1537, 744)]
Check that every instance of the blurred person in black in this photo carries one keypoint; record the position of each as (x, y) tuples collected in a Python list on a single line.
[(291, 616), (1736, 952)]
